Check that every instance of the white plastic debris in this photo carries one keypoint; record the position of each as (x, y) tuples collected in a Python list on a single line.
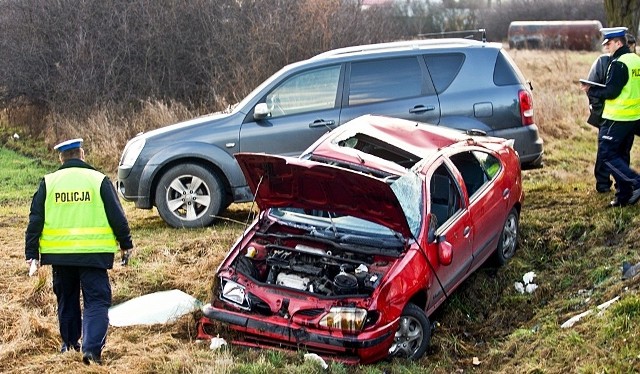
[(531, 287), (528, 277), (527, 284), (217, 342), (362, 268), (519, 287), (315, 357), (572, 321), (476, 361), (155, 308), (16, 136)]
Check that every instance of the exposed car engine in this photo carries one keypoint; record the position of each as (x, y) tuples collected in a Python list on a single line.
[(312, 268)]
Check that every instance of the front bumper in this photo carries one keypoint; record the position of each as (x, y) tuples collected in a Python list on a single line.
[(259, 331), (128, 186)]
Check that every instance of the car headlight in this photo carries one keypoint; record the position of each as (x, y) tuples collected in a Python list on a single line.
[(233, 293), (132, 151), (347, 319)]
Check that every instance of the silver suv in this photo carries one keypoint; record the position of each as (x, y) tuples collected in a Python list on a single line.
[(188, 171)]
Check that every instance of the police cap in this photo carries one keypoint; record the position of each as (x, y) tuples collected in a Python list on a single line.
[(69, 144), (609, 33)]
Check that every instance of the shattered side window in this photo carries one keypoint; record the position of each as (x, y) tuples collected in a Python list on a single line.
[(490, 164), (408, 190)]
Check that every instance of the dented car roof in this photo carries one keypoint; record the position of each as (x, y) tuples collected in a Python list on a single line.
[(420, 139)]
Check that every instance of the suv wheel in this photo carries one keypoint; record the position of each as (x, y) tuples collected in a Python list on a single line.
[(189, 196), (508, 238), (414, 333)]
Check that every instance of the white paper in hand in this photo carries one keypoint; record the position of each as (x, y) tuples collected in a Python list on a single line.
[(158, 307)]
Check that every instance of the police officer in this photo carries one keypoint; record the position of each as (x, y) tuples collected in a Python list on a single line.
[(620, 114), (76, 224), (598, 74)]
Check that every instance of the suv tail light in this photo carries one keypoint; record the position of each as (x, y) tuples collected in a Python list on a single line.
[(526, 107)]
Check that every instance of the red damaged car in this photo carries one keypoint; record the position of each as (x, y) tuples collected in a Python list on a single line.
[(360, 239)]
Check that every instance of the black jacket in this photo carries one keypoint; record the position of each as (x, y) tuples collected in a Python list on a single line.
[(115, 216), (617, 78)]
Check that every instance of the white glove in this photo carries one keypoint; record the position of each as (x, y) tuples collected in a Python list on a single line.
[(33, 266)]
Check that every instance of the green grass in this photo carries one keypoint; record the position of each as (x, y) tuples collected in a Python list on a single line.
[(20, 176)]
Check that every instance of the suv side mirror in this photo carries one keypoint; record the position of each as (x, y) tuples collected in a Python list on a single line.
[(261, 111)]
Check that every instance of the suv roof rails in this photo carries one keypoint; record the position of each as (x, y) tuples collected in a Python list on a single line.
[(471, 34), (405, 44)]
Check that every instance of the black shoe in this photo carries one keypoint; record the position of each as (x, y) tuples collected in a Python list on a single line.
[(635, 196), (603, 190), (88, 357), (67, 347), (616, 203)]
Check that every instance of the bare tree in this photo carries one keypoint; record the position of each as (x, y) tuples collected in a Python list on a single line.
[(623, 13)]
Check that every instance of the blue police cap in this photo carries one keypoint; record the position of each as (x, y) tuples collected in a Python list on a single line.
[(69, 144), (612, 32)]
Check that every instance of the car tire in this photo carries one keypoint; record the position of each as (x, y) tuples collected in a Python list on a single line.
[(413, 335), (182, 206), (508, 238)]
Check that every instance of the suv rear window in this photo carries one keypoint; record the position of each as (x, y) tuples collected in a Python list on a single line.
[(444, 68), (503, 73), (384, 80)]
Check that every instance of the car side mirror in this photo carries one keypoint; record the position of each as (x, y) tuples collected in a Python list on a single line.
[(445, 251), (261, 111)]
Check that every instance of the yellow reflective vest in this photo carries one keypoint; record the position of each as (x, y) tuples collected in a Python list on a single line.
[(75, 221), (626, 107)]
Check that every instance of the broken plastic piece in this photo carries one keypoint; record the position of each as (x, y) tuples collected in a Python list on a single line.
[(528, 277), (158, 307), (217, 342), (315, 357)]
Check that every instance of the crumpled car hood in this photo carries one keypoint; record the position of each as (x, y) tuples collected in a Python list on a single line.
[(278, 181)]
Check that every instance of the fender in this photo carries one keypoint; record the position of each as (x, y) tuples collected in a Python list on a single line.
[(189, 152)]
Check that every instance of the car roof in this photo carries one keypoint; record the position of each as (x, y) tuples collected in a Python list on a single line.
[(397, 144), (421, 139), (404, 46)]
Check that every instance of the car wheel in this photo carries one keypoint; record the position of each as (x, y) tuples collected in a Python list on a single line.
[(189, 196), (413, 334), (508, 239)]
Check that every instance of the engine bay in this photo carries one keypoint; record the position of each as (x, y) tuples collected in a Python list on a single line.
[(312, 265)]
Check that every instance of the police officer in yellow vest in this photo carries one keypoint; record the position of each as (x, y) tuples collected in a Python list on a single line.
[(620, 115), (77, 224)]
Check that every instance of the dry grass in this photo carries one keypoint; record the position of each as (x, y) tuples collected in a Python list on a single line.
[(574, 246)]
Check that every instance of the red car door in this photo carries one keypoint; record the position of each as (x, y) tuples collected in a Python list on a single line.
[(487, 209), (448, 203)]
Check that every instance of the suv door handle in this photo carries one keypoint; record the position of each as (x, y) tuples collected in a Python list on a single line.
[(466, 231), (422, 108), (322, 123)]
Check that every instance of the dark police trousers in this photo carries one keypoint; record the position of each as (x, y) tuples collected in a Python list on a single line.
[(601, 170), (614, 139), (96, 294)]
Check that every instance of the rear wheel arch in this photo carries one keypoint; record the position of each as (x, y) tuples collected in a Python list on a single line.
[(508, 241)]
